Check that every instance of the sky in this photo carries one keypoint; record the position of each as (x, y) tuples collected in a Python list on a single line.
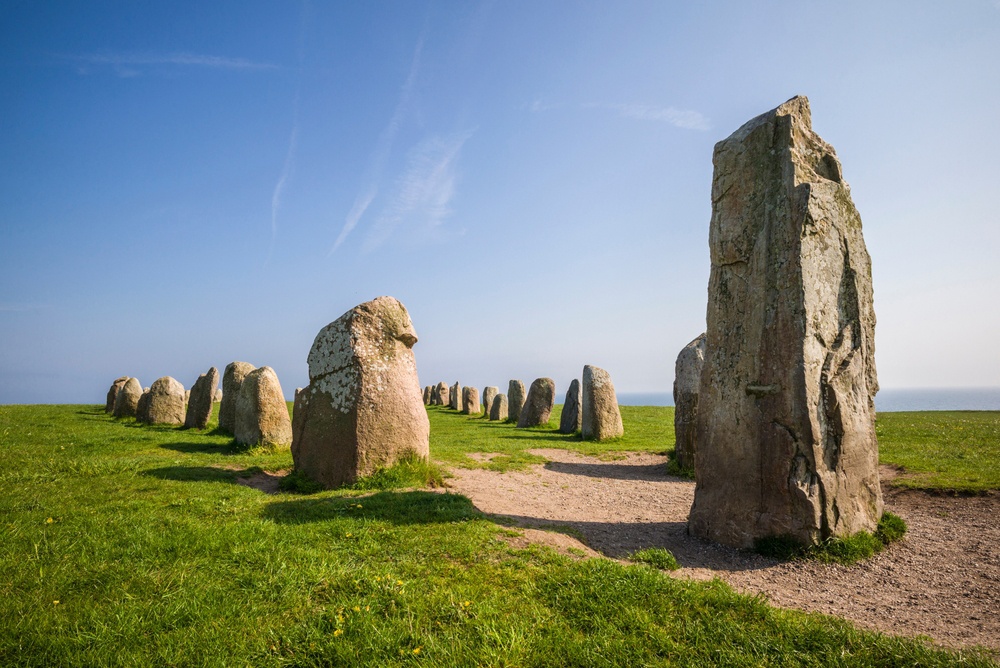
[(184, 184)]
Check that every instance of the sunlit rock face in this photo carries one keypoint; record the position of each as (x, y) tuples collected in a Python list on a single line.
[(232, 380), (785, 427), (261, 411), (363, 408)]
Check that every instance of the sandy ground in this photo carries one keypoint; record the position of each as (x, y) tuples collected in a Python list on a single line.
[(941, 581)]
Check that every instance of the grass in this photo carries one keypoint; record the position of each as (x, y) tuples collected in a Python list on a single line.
[(847, 550), (955, 451), (657, 557), (126, 545)]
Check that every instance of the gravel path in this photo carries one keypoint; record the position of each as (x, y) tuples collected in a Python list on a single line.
[(942, 580)]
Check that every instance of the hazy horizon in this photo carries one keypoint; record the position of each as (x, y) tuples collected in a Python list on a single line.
[(187, 185)]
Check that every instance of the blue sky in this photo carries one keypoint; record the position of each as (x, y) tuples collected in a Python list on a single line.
[(185, 184)]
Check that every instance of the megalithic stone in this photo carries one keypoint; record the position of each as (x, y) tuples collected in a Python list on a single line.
[(785, 429), (687, 382)]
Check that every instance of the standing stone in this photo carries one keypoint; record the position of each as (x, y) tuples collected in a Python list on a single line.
[(109, 405), (443, 398), (569, 422), (217, 395), (515, 400), (199, 407), (498, 409), (232, 379), (470, 401), (785, 427), (488, 394), (163, 403), (142, 407), (261, 411), (538, 406), (600, 417), (427, 396), (457, 397), (127, 399), (687, 379), (361, 410)]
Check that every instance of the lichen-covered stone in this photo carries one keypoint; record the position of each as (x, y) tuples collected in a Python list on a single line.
[(571, 418), (488, 394), (515, 400), (538, 405), (470, 401), (116, 386), (600, 417), (498, 408), (261, 411), (687, 380), (785, 429), (165, 403), (362, 409), (199, 405), (232, 379)]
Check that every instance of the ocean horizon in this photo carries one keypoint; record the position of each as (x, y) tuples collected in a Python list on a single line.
[(886, 401)]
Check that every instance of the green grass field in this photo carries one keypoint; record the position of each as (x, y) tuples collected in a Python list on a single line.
[(132, 545)]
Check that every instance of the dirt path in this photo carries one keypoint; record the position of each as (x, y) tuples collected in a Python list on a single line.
[(942, 581)]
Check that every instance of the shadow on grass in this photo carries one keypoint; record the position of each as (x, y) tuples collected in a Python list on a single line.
[(617, 471), (198, 474), (193, 447), (397, 507)]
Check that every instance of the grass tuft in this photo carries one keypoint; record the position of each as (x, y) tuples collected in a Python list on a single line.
[(657, 557), (846, 550)]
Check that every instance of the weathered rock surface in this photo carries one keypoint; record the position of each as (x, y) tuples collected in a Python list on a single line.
[(362, 409), (427, 395), (785, 429), (569, 422), (456, 396), (232, 379), (199, 405), (165, 403), (600, 417), (538, 406), (687, 380), (470, 401), (443, 398), (488, 394), (142, 407), (116, 386), (261, 411), (498, 408), (515, 400)]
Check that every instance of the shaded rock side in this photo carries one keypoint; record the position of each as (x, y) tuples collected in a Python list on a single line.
[(456, 396), (362, 409), (571, 419), (199, 407), (261, 411), (232, 379), (600, 417), (470, 401), (687, 381), (142, 407), (516, 395), (165, 404), (443, 394), (116, 386), (498, 408), (427, 395), (785, 428), (488, 395), (538, 405)]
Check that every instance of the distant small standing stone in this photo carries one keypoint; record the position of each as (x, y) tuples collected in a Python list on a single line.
[(488, 394), (261, 412), (601, 417), (538, 406), (515, 400), (470, 401), (199, 405), (571, 418), (456, 396), (232, 379), (498, 409), (687, 378), (166, 402), (116, 386), (443, 399), (427, 396)]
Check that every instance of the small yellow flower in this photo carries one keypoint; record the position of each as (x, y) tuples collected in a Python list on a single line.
[(348, 535), (357, 608), (55, 602), (49, 521), (416, 650), (399, 582), (367, 608), (338, 633)]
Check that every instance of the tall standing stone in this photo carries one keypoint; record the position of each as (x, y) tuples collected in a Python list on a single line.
[(427, 395), (199, 407), (538, 406), (515, 400), (165, 403), (785, 428), (601, 419), (456, 396), (571, 418), (498, 409), (261, 411), (687, 380), (443, 398), (470, 401), (127, 399), (488, 394), (232, 380), (142, 407), (362, 408), (116, 386)]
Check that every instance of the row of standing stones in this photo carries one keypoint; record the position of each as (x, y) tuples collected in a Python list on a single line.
[(775, 402), (590, 408)]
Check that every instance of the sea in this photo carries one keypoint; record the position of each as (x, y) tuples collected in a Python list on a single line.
[(886, 401)]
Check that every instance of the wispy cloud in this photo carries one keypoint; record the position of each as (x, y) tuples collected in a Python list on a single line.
[(279, 187), (383, 147), (184, 58), (423, 193), (681, 118)]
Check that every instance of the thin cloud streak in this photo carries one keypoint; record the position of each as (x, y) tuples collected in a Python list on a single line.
[(680, 118), (383, 147), (179, 58), (279, 187)]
